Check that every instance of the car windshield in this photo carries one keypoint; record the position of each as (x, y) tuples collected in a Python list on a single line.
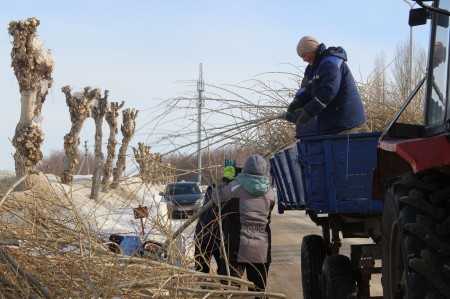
[(177, 189)]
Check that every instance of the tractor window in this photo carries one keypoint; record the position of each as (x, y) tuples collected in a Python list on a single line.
[(436, 107)]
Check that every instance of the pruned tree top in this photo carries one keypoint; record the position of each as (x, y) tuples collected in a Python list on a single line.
[(31, 62)]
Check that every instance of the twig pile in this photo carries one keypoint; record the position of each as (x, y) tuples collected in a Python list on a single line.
[(48, 250)]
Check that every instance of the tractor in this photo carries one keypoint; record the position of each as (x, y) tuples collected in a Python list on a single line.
[(391, 188)]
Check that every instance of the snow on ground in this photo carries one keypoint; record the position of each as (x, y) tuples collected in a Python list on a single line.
[(113, 213)]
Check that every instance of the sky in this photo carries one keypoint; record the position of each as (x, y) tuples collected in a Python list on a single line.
[(144, 52)]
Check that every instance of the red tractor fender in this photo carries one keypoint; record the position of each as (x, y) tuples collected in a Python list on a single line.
[(398, 156), (422, 153)]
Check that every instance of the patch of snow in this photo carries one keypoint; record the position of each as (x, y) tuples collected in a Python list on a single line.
[(113, 212)]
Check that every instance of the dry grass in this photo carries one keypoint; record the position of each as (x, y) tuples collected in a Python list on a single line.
[(48, 249)]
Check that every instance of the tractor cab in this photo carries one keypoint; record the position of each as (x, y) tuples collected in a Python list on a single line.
[(436, 110), (413, 174), (426, 145), (436, 113)]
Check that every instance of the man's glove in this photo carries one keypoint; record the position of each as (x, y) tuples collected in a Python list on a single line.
[(303, 117), (229, 173), (302, 97)]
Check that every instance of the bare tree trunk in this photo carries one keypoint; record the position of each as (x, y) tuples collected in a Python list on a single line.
[(128, 128), (145, 161), (33, 66), (80, 104), (111, 118), (98, 113)]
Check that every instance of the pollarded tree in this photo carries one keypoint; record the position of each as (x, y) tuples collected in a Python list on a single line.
[(128, 128), (152, 167), (80, 104), (145, 160), (33, 66), (98, 113), (111, 118), (165, 172)]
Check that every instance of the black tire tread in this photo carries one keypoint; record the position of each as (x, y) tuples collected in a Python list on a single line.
[(421, 205), (338, 278), (312, 255)]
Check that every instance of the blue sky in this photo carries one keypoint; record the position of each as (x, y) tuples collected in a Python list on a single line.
[(141, 50)]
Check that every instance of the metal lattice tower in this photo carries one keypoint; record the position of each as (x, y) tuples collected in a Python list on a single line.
[(200, 102)]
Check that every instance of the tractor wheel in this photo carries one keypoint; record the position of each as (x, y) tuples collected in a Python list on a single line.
[(338, 281), (312, 256), (415, 244)]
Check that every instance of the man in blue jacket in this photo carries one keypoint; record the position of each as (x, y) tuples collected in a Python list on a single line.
[(331, 93)]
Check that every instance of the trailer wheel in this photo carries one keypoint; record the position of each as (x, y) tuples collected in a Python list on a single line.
[(338, 281), (312, 256), (415, 244)]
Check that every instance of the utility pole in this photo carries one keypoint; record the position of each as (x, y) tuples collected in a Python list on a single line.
[(200, 89)]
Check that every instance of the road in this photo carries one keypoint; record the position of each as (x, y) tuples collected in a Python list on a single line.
[(288, 230)]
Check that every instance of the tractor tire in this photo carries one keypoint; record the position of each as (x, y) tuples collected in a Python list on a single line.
[(312, 255), (338, 281), (415, 244)]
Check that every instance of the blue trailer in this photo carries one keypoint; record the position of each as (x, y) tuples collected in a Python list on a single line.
[(330, 177)]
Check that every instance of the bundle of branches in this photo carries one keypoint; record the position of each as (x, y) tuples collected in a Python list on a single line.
[(49, 249), (245, 115)]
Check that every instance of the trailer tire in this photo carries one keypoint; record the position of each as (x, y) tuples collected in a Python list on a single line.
[(338, 281), (312, 255), (415, 243)]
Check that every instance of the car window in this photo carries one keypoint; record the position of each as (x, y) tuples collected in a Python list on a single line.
[(170, 189), (193, 189), (177, 189)]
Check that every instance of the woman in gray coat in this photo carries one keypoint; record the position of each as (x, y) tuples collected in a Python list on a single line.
[(247, 205)]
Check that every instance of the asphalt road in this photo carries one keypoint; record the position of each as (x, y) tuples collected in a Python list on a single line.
[(288, 230)]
